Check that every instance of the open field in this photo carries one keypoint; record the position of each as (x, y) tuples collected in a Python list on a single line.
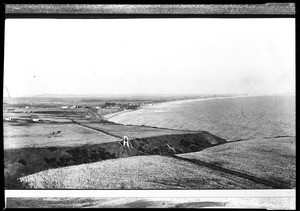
[(139, 172), (31, 147), (133, 131), (18, 135), (75, 148), (25, 161), (162, 171), (271, 159)]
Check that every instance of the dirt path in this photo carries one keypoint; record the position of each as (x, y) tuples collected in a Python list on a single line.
[(107, 133), (202, 163), (97, 129), (235, 173), (267, 137)]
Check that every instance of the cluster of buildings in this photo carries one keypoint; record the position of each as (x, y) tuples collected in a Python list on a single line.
[(107, 106), (74, 106), (121, 105), (32, 118)]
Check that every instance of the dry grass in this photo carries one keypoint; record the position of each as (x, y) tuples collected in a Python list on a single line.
[(24, 161), (139, 172), (40, 135), (271, 159), (135, 131)]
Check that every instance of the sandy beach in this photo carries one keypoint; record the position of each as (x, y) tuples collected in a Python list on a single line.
[(168, 103)]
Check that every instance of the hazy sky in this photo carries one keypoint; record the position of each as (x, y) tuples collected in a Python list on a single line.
[(149, 56)]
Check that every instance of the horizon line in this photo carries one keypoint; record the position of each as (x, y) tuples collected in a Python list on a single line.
[(138, 94)]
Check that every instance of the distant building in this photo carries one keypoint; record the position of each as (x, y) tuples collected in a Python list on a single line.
[(64, 107), (9, 119), (34, 118)]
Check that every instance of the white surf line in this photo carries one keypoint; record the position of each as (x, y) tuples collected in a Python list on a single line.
[(109, 116)]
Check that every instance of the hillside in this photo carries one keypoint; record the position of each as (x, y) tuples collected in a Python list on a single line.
[(251, 164), (271, 159), (25, 161)]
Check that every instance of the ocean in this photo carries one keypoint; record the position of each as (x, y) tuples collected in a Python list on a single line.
[(229, 118)]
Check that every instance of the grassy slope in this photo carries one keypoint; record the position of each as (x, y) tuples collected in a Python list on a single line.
[(271, 159), (139, 172), (25, 161)]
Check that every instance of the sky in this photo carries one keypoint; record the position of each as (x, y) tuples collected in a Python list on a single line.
[(149, 56)]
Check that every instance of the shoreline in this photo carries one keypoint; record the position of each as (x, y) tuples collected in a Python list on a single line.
[(109, 116), (176, 103)]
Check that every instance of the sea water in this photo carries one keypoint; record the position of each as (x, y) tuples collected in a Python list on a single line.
[(229, 118)]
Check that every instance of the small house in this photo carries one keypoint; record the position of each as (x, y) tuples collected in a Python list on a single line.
[(10, 119), (64, 107), (7, 118), (34, 118)]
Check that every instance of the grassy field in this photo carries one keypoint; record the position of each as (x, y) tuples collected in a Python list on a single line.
[(31, 147), (271, 159), (276, 165), (25, 161), (18, 135), (87, 154), (139, 172), (134, 132)]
